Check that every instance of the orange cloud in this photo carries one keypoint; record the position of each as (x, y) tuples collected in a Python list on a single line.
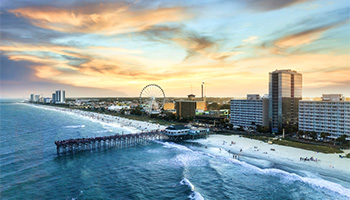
[(305, 37), (99, 18)]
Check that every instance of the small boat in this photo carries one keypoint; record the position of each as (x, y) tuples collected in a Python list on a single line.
[(272, 149), (269, 142)]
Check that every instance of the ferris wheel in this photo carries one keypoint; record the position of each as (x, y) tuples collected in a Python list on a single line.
[(152, 98)]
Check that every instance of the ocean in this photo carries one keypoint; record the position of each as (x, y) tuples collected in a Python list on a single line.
[(31, 169)]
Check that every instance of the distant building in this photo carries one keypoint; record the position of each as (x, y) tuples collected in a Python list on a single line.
[(63, 100), (253, 96), (285, 91), (331, 115), (250, 112), (60, 96), (47, 100), (191, 97), (36, 98), (53, 97), (169, 106), (31, 97), (185, 109), (201, 106)]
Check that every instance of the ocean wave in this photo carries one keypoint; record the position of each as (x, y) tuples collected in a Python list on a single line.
[(174, 145), (292, 177), (74, 126), (105, 131), (194, 195), (313, 181)]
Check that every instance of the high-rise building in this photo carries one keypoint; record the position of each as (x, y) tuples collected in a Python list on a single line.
[(63, 99), (31, 97), (285, 91), (331, 115), (53, 97), (250, 112), (60, 96)]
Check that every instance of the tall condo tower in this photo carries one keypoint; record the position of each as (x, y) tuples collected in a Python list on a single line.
[(202, 91), (60, 96), (285, 91)]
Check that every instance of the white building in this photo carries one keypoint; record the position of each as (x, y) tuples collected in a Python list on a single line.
[(250, 112), (37, 98), (331, 115), (60, 96), (47, 100), (180, 130)]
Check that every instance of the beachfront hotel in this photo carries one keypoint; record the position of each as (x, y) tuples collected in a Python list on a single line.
[(250, 112), (330, 115), (285, 92), (185, 109), (60, 96)]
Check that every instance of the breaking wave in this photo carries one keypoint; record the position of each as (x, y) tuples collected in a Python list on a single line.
[(285, 176), (75, 126), (194, 195)]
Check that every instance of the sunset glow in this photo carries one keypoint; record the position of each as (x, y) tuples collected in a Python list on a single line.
[(115, 48)]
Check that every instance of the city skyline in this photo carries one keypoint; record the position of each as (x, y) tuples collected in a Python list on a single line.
[(115, 48)]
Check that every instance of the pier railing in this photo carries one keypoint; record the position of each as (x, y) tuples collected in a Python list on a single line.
[(120, 141)]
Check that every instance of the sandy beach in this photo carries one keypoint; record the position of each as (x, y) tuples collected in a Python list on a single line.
[(273, 152), (130, 126)]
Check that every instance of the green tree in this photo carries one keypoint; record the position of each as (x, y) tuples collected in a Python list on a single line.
[(341, 139), (225, 106), (213, 106), (324, 135), (136, 111), (313, 134)]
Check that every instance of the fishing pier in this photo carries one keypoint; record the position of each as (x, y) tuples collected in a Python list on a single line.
[(172, 133), (119, 141)]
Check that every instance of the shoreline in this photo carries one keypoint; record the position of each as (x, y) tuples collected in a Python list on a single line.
[(129, 125), (250, 147), (277, 153)]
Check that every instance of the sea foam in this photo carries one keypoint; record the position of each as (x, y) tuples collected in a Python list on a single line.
[(174, 145), (285, 176), (75, 126), (194, 195), (291, 177)]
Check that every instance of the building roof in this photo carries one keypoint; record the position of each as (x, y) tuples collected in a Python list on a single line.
[(287, 71), (177, 127), (191, 95)]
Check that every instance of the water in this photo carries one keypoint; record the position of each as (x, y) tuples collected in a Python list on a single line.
[(30, 168)]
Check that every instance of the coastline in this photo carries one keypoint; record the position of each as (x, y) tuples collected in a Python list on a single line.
[(254, 158), (277, 153), (129, 125), (250, 147)]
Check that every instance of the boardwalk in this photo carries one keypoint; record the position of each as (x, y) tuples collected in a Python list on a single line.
[(120, 141)]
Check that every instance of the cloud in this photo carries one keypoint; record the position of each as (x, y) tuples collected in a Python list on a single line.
[(305, 37), (104, 18), (194, 43), (268, 5), (250, 39), (295, 43)]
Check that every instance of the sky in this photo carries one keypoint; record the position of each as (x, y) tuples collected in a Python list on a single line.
[(115, 48)]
